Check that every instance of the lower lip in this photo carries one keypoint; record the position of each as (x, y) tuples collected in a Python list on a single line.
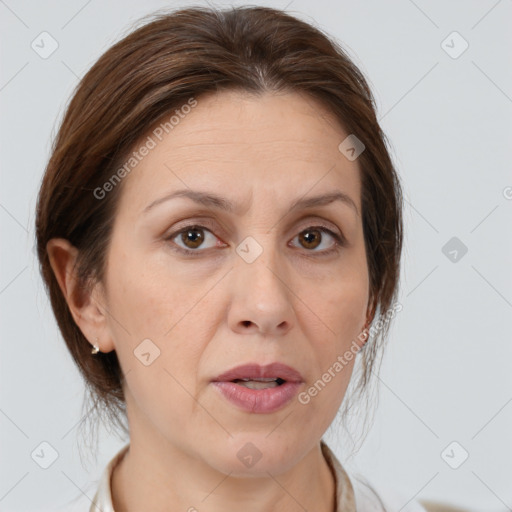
[(258, 400)]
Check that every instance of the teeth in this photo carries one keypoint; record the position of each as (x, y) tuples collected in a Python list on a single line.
[(259, 380), (258, 384)]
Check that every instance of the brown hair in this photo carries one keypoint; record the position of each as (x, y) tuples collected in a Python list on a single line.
[(160, 66)]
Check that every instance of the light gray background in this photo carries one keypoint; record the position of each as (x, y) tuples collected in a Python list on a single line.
[(447, 373)]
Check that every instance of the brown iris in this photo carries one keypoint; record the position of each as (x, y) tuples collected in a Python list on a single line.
[(193, 235), (311, 241)]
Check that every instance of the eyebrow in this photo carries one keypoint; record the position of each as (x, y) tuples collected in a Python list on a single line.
[(215, 201)]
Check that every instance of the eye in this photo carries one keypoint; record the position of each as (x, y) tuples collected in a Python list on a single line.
[(192, 237), (312, 238)]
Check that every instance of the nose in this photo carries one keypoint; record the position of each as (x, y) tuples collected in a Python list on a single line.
[(261, 300)]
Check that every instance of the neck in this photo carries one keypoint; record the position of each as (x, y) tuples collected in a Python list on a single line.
[(166, 480)]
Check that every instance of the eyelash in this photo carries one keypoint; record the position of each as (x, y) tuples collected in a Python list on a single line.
[(339, 240)]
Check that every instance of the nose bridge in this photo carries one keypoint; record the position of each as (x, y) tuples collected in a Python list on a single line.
[(260, 265), (261, 297)]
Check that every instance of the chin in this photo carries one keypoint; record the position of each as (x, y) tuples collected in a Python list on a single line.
[(257, 454)]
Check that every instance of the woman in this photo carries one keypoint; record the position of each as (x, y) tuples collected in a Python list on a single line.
[(220, 225)]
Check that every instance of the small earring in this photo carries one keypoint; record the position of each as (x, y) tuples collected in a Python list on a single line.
[(96, 349)]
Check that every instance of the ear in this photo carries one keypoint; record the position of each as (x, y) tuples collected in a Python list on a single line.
[(86, 306), (370, 314), (365, 329)]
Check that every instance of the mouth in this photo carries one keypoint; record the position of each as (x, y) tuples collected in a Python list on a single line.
[(259, 389), (253, 374)]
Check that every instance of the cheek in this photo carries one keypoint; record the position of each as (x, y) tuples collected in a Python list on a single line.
[(147, 296), (342, 304), (343, 310), (151, 318), (322, 398), (158, 356), (341, 307), (348, 310), (157, 395)]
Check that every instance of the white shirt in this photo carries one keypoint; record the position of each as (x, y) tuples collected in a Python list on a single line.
[(354, 493)]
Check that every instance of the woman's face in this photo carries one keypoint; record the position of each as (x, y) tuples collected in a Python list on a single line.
[(258, 283)]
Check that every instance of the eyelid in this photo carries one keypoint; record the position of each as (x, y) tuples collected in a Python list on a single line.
[(316, 221), (193, 222)]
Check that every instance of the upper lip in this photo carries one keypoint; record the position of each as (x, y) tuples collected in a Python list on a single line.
[(256, 371)]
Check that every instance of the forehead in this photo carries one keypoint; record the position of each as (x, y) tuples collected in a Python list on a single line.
[(234, 141), (243, 122)]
